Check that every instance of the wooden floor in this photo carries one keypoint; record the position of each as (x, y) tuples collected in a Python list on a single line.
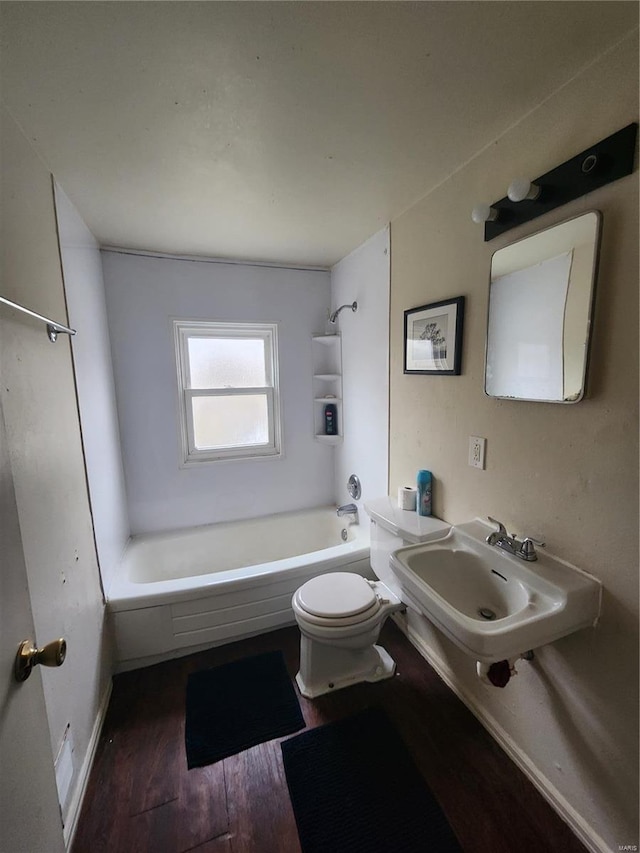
[(141, 798)]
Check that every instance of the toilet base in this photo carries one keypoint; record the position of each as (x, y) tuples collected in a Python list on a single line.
[(325, 669)]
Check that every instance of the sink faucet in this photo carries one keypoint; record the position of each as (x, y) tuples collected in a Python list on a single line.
[(525, 549), (348, 509)]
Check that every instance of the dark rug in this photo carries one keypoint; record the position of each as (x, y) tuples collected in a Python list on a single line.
[(355, 789), (238, 705)]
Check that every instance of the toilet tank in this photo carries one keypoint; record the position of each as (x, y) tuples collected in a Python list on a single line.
[(393, 528)]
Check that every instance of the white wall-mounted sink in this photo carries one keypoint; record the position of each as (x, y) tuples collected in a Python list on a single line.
[(490, 603)]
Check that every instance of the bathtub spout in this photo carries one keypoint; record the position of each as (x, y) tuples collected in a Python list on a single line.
[(348, 509)]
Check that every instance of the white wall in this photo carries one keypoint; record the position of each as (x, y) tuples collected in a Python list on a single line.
[(566, 473), (45, 450), (144, 294), (84, 290), (363, 276)]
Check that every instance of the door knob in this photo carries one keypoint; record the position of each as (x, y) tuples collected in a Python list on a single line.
[(53, 654)]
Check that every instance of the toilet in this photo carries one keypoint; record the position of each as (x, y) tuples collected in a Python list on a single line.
[(340, 614)]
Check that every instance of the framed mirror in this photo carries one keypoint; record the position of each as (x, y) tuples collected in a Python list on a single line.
[(540, 305)]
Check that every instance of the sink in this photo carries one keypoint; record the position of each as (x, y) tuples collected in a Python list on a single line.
[(491, 604)]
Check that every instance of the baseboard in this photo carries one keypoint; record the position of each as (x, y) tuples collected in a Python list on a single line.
[(75, 806), (587, 835)]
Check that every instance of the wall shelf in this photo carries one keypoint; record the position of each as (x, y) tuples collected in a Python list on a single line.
[(328, 340), (329, 439), (327, 384)]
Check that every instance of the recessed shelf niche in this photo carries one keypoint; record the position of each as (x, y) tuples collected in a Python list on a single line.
[(327, 383)]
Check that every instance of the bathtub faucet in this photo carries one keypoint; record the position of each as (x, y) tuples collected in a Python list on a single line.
[(348, 509)]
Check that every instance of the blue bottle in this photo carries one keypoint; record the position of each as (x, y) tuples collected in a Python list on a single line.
[(424, 493)]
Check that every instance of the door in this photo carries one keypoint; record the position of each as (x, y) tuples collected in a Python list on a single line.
[(30, 820)]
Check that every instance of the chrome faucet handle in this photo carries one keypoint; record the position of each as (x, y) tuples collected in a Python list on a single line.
[(496, 535), (528, 550)]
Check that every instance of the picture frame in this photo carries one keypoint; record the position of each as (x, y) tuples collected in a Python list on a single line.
[(433, 338)]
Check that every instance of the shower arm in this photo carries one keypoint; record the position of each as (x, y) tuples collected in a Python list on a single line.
[(334, 317)]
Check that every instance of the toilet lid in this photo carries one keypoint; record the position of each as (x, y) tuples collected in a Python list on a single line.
[(336, 595)]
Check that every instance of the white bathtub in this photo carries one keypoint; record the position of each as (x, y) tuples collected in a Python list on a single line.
[(178, 591)]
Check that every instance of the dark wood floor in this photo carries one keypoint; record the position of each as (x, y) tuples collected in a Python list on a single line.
[(141, 798)]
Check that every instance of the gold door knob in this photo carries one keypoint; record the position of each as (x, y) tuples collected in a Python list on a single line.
[(53, 654)]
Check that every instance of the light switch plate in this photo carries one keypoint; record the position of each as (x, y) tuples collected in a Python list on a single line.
[(477, 450)]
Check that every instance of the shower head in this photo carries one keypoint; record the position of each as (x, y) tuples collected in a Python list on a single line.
[(333, 317)]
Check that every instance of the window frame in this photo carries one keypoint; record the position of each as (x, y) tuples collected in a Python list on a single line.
[(268, 332)]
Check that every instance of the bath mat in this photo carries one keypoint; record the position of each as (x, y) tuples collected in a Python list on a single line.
[(355, 789), (238, 705)]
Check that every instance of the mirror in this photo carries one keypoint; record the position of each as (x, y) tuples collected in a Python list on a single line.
[(540, 302)]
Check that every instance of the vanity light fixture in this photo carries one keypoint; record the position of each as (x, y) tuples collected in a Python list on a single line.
[(521, 189), (484, 213), (606, 161)]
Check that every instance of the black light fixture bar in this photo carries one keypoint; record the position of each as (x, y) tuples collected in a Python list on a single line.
[(608, 160)]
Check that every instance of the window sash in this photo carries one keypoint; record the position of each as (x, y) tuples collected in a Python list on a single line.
[(268, 353), (264, 449), (184, 330)]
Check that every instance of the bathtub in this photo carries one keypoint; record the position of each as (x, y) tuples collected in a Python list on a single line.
[(183, 590)]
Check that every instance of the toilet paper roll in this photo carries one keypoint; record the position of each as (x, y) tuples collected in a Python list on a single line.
[(407, 498)]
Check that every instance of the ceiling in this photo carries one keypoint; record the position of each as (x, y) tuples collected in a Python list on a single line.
[(278, 131)]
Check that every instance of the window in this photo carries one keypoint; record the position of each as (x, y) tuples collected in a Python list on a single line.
[(228, 380)]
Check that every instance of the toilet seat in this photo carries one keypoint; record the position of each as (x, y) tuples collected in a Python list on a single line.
[(371, 601), (338, 595), (332, 623)]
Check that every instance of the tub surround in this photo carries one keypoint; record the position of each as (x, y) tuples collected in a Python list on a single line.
[(144, 295), (364, 276), (91, 351)]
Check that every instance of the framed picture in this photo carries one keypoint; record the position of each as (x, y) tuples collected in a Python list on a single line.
[(433, 337)]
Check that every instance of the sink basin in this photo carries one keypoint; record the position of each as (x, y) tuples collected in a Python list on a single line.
[(490, 603)]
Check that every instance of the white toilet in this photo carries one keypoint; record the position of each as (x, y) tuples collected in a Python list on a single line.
[(340, 614)]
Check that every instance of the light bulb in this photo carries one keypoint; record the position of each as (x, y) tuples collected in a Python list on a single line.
[(484, 213), (521, 189)]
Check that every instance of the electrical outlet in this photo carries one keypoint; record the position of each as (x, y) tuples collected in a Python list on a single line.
[(477, 449)]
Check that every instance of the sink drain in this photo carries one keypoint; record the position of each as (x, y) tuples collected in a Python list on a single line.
[(486, 613)]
